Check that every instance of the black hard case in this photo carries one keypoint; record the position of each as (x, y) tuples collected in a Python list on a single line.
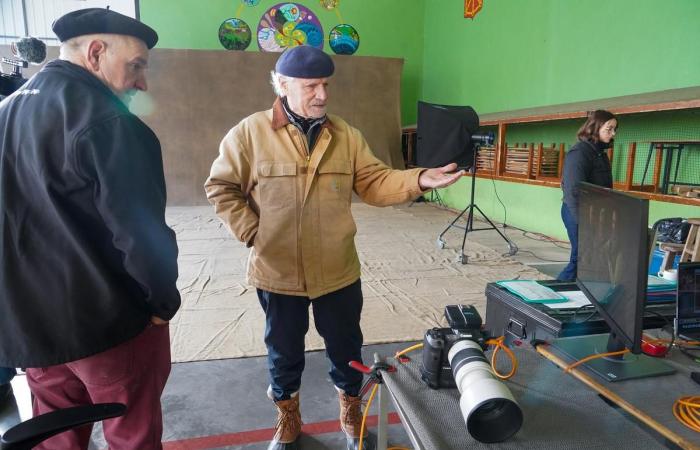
[(526, 323)]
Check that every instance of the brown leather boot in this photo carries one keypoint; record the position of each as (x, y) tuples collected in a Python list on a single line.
[(288, 425), (351, 422)]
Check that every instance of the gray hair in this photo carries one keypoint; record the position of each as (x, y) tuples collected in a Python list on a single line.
[(73, 49), (276, 80)]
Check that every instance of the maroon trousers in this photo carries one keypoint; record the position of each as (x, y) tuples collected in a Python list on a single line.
[(133, 373)]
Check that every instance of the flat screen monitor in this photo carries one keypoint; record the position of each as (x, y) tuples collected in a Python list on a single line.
[(613, 260), (444, 135), (612, 273)]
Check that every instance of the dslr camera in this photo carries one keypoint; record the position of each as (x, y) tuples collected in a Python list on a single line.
[(464, 324), (454, 357)]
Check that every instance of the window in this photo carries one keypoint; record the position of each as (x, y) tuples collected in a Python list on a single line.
[(19, 18)]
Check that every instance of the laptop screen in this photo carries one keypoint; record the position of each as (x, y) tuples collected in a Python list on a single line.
[(688, 308)]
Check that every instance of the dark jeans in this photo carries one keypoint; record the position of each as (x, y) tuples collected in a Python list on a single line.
[(571, 224), (337, 319)]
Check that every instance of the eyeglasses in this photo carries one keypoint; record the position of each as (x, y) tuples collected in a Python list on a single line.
[(609, 129)]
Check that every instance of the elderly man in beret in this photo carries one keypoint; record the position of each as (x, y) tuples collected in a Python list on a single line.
[(283, 184), (88, 263)]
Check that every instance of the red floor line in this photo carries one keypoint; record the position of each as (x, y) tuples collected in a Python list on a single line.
[(264, 434)]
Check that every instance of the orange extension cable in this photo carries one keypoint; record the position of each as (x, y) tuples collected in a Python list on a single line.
[(687, 411)]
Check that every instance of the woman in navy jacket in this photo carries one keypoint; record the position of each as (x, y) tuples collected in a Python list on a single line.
[(586, 161)]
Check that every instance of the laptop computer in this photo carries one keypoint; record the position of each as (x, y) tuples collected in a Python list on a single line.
[(688, 301)]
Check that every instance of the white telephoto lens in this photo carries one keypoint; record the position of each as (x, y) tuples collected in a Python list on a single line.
[(487, 405)]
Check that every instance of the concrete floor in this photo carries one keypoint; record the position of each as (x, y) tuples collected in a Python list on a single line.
[(222, 404)]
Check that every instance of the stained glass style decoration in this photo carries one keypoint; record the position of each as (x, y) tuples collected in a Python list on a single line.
[(287, 25), (235, 34), (329, 4), (472, 7), (344, 39)]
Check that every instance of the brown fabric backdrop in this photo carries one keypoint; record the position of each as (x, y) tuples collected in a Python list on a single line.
[(196, 96)]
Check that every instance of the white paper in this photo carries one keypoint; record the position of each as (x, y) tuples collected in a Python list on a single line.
[(530, 290), (576, 299)]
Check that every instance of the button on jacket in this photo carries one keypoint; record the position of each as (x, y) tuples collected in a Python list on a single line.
[(292, 205)]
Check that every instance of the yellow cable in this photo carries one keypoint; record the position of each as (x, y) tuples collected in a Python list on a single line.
[(406, 350), (687, 411), (568, 368), (498, 342), (364, 415), (364, 419)]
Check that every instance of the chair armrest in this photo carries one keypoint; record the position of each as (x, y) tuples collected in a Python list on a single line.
[(28, 434)]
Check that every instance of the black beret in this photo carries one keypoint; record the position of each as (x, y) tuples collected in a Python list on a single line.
[(102, 21), (305, 61)]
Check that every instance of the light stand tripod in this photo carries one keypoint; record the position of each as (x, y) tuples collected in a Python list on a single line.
[(512, 248)]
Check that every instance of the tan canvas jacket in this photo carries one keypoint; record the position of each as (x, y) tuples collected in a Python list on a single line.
[(292, 206)]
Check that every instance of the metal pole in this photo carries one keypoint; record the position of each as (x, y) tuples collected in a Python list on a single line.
[(383, 417)]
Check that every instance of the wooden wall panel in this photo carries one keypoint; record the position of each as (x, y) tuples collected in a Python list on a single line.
[(196, 96)]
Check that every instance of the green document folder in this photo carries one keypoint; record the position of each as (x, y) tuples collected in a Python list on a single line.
[(532, 292)]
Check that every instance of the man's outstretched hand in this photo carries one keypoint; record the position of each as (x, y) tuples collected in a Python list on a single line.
[(439, 177)]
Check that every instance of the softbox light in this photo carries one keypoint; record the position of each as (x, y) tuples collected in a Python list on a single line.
[(444, 135)]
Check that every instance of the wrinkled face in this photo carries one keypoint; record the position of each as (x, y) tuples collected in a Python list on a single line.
[(307, 96), (607, 131), (122, 66)]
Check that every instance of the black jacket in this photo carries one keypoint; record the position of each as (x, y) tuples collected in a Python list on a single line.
[(86, 256), (584, 162)]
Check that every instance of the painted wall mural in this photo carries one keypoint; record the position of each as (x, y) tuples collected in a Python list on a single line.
[(234, 34), (329, 4), (287, 25), (472, 8), (344, 39)]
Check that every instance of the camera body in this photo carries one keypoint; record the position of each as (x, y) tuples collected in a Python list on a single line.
[(464, 324)]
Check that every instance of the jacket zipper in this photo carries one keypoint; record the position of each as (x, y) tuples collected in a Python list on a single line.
[(304, 144)]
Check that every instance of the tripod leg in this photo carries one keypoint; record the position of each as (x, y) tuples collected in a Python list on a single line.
[(462, 258), (440, 241), (512, 248)]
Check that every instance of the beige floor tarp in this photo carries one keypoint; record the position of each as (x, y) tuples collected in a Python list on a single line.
[(406, 279)]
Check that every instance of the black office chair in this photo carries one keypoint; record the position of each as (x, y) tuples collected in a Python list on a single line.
[(26, 435)]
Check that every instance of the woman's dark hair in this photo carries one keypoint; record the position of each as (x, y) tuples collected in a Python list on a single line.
[(589, 130)]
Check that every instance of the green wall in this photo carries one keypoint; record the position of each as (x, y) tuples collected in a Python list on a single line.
[(534, 208), (522, 54), (519, 54), (514, 54), (387, 28)]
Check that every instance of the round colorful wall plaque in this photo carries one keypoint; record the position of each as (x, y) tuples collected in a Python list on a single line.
[(287, 25), (234, 34), (344, 39), (329, 4)]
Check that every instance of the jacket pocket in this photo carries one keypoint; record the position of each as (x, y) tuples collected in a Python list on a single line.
[(276, 242), (335, 180), (277, 183)]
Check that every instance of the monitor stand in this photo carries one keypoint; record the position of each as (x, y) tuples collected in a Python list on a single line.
[(610, 368)]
